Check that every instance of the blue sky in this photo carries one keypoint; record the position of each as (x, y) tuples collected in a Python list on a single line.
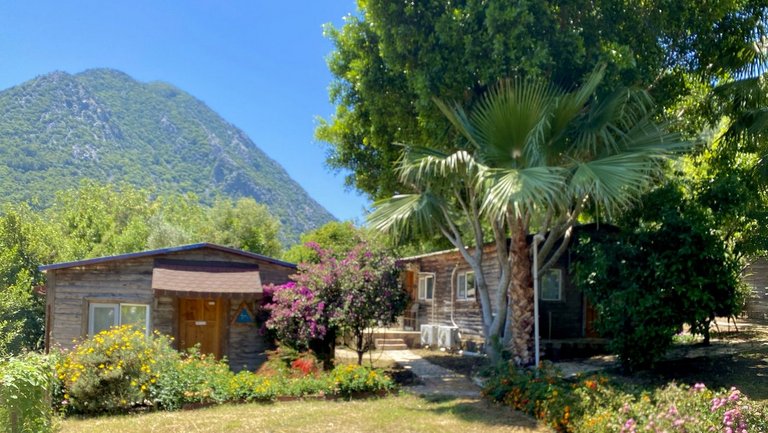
[(260, 64)]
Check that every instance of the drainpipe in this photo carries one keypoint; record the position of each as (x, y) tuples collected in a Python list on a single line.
[(536, 239), (453, 293)]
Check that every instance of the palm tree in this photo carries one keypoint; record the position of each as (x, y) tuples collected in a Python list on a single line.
[(534, 158)]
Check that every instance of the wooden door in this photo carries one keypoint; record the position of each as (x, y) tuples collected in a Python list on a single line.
[(590, 317), (200, 321)]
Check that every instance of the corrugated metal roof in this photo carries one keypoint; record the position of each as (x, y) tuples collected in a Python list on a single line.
[(162, 251)]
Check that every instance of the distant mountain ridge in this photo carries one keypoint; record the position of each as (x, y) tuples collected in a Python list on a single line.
[(102, 124)]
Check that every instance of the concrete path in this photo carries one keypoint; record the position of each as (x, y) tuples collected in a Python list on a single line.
[(436, 380)]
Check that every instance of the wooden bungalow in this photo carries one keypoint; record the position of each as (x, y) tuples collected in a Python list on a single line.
[(443, 296), (202, 294)]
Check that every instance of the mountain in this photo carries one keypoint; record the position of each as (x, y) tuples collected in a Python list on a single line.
[(103, 124)]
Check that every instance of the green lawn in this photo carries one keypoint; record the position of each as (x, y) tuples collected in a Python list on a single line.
[(401, 414)]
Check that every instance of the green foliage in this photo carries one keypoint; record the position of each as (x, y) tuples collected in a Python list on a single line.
[(337, 236), (392, 58), (594, 404), (26, 384), (22, 315), (25, 242), (190, 378), (666, 268), (243, 224), (101, 124)]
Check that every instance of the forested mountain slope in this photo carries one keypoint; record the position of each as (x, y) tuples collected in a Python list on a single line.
[(104, 125)]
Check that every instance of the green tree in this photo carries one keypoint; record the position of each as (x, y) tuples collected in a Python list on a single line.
[(393, 57), (25, 243), (337, 236), (102, 219), (668, 266), (243, 224), (534, 158)]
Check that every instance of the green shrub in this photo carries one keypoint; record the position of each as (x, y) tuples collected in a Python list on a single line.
[(114, 370), (26, 383), (191, 378)]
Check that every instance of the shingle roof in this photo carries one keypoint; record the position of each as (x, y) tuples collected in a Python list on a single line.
[(217, 279)]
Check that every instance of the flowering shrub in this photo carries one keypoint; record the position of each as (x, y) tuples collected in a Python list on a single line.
[(337, 296), (297, 314), (351, 379), (114, 370), (595, 404), (122, 368)]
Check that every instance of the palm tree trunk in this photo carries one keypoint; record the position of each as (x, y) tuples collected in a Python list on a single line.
[(521, 295)]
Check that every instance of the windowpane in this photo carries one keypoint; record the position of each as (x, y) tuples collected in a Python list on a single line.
[(461, 287), (103, 317), (135, 315), (551, 283), (430, 286), (426, 286), (470, 285)]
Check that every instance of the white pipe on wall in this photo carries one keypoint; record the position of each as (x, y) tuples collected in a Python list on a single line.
[(536, 239)]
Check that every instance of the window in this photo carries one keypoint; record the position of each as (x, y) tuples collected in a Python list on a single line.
[(465, 286), (103, 316), (552, 285), (426, 286)]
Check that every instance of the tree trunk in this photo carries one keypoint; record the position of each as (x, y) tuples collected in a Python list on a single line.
[(360, 349), (325, 348), (521, 295)]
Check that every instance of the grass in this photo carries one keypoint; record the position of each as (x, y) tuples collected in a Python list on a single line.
[(403, 413)]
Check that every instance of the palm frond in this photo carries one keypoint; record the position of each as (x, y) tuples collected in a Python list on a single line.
[(407, 214), (521, 190), (419, 163), (613, 182)]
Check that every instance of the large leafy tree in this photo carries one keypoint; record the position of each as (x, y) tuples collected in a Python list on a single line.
[(681, 272), (393, 57), (535, 157)]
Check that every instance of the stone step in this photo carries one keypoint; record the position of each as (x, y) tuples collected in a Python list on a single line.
[(390, 344)]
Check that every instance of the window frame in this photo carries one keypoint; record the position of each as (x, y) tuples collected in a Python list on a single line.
[(117, 307), (426, 276), (559, 288), (462, 276)]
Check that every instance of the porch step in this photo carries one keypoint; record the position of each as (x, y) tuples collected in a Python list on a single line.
[(390, 344)]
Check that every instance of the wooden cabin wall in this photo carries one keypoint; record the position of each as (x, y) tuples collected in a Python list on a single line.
[(73, 288), (756, 275), (567, 314)]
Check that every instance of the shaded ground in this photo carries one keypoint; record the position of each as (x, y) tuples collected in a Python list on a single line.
[(737, 359), (466, 365)]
